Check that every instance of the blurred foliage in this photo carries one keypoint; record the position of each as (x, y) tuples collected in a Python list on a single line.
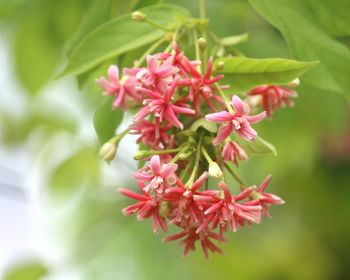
[(26, 271), (307, 238)]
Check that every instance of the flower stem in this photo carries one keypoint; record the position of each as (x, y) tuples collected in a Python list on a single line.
[(178, 155), (190, 181), (234, 175), (148, 51), (206, 155), (143, 153), (223, 95), (119, 136), (202, 8)]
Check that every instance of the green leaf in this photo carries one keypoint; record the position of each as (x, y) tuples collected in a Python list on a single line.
[(145, 3), (35, 53), (98, 12), (120, 35), (324, 12), (26, 271), (244, 73), (258, 146), (106, 120), (234, 40), (79, 170), (308, 41), (202, 122)]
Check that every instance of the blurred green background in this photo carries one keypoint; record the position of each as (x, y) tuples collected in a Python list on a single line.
[(81, 231)]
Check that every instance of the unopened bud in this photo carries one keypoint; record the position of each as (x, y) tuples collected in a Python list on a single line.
[(140, 155), (214, 170), (220, 65), (202, 43), (294, 83), (108, 151), (138, 16)]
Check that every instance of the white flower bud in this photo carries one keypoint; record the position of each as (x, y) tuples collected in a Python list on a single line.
[(214, 170), (108, 151), (294, 83), (220, 65), (138, 16), (202, 43)]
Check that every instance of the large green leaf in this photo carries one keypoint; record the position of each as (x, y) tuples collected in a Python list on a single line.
[(120, 35), (79, 170), (258, 147), (98, 12), (26, 271), (106, 120), (333, 15), (35, 53), (308, 41), (244, 73)]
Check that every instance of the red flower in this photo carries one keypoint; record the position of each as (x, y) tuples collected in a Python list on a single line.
[(123, 90), (158, 176), (145, 208), (273, 97), (231, 151), (239, 121), (267, 199), (161, 105), (191, 236)]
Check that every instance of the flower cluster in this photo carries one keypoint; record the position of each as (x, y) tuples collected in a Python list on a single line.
[(193, 137)]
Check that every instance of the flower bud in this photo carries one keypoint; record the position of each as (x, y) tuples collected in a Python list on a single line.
[(214, 170), (202, 43), (140, 155), (138, 16), (294, 83), (108, 151), (220, 65)]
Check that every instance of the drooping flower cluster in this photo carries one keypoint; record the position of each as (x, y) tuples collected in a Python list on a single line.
[(193, 138)]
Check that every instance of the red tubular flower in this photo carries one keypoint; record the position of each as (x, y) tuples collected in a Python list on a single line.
[(182, 196), (267, 199), (201, 86), (145, 208), (273, 97), (231, 151), (239, 121), (122, 90), (158, 176), (225, 211), (191, 236), (161, 105), (157, 73), (148, 134)]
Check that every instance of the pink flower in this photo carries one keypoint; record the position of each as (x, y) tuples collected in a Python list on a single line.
[(122, 90), (273, 97), (187, 210), (145, 208), (191, 236), (180, 61), (158, 176), (157, 74), (267, 199), (161, 105), (148, 134), (224, 210), (202, 86), (231, 151), (239, 121)]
